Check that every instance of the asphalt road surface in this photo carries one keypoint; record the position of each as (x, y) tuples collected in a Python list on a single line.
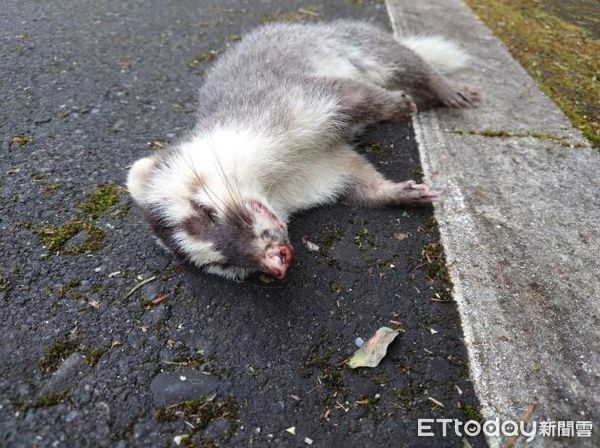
[(88, 87)]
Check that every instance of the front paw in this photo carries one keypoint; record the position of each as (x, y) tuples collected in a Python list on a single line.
[(410, 192)]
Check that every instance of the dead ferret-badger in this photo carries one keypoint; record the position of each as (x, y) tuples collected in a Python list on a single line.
[(277, 116)]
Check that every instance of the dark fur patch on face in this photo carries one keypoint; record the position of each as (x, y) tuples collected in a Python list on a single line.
[(162, 230), (199, 225), (196, 227), (234, 237), (232, 234)]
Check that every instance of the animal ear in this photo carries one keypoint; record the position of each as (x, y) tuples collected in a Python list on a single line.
[(138, 174)]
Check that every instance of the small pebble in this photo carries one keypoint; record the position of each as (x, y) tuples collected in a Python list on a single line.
[(359, 342)]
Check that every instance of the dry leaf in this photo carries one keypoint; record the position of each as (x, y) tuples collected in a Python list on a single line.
[(21, 139), (159, 299), (373, 351), (310, 246)]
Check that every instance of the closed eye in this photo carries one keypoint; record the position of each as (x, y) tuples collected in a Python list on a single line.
[(205, 210)]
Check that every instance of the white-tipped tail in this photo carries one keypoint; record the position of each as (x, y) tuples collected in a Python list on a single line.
[(442, 54)]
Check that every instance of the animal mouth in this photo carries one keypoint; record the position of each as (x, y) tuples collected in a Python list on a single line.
[(278, 259)]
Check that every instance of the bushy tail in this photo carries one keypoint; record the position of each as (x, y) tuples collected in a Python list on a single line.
[(442, 54)]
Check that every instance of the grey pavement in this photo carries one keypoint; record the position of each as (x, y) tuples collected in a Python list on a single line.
[(86, 88), (520, 224)]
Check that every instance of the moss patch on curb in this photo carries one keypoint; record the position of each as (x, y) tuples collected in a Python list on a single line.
[(513, 134), (561, 57)]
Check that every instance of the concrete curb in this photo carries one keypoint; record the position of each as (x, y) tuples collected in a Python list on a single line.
[(519, 223)]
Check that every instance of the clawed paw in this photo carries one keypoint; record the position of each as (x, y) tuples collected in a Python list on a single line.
[(410, 192), (463, 96)]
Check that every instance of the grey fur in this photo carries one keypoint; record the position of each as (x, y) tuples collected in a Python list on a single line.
[(255, 79), (303, 90)]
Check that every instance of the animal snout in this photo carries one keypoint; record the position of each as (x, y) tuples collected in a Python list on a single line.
[(278, 259)]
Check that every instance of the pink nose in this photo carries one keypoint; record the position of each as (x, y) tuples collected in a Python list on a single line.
[(278, 259)]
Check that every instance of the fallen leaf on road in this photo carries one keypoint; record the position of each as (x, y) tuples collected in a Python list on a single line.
[(310, 246), (21, 139), (159, 299), (373, 351)]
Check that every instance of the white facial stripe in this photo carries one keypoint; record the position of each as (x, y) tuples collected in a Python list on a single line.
[(200, 252), (229, 272)]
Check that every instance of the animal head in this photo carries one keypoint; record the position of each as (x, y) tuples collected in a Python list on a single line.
[(206, 216)]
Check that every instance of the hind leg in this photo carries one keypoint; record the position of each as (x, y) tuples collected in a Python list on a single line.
[(362, 103), (434, 90), (424, 84), (405, 70)]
